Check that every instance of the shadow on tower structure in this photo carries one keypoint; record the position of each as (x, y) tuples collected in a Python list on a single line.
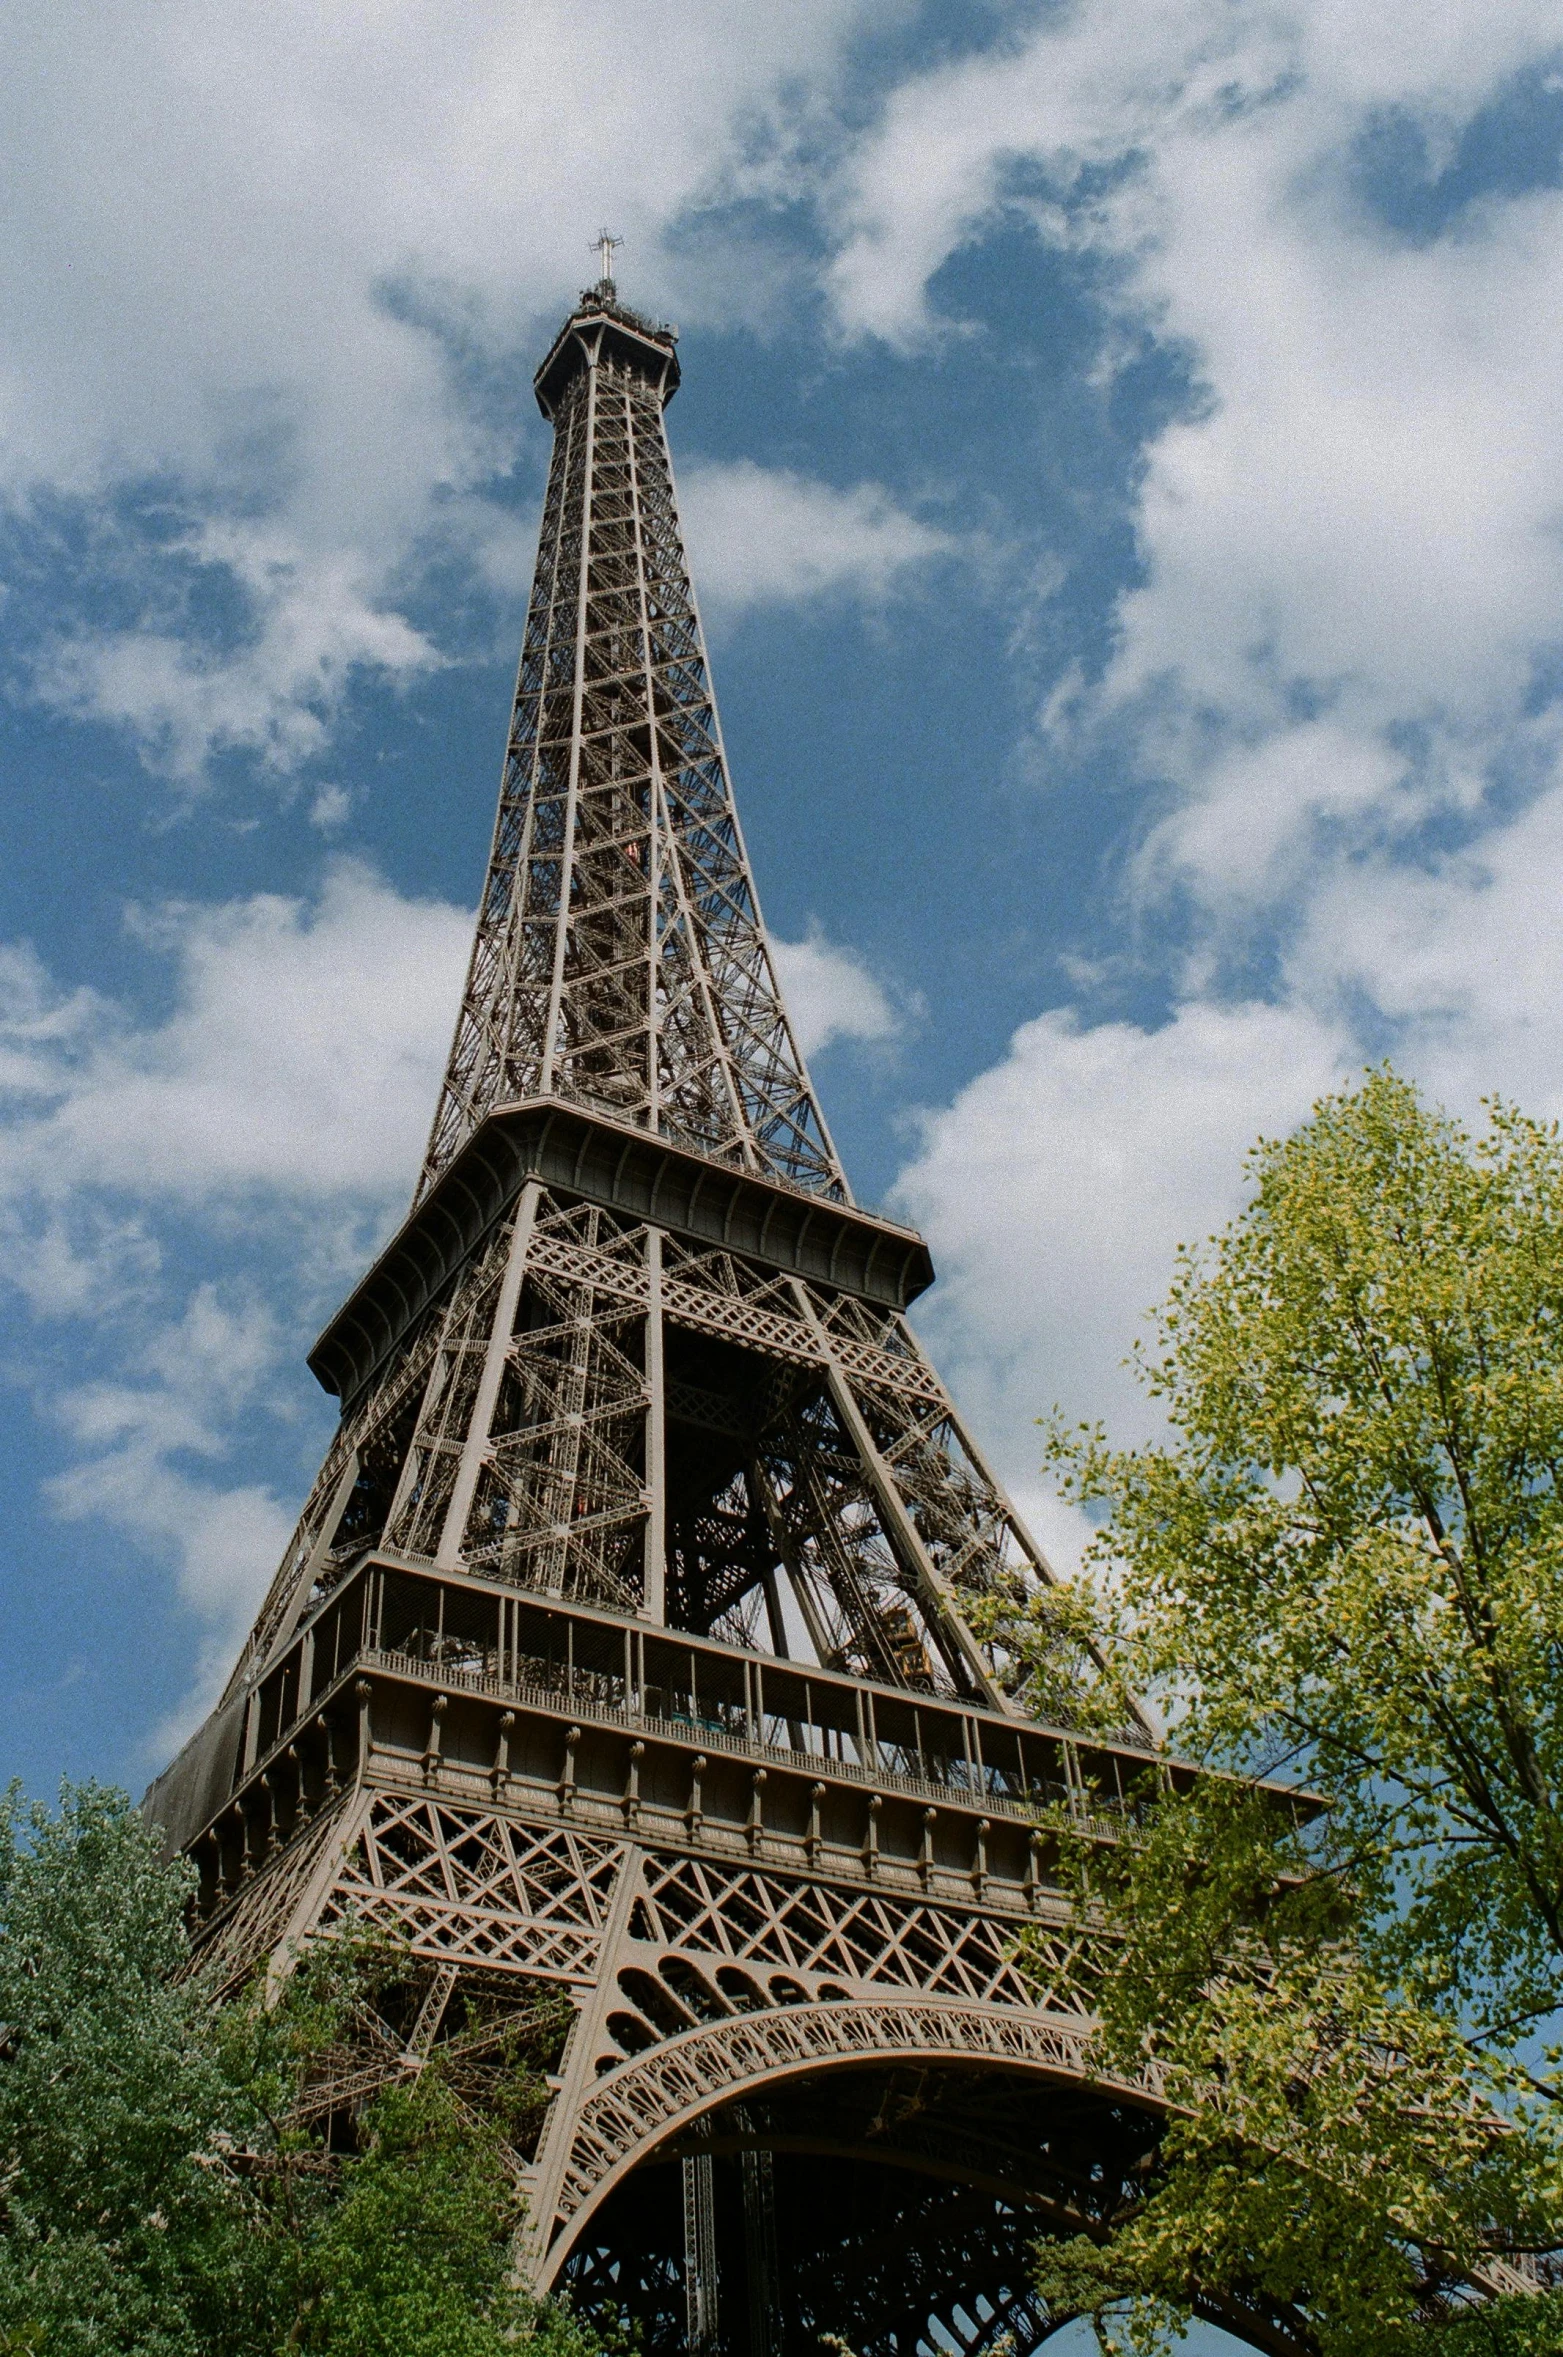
[(623, 1654)]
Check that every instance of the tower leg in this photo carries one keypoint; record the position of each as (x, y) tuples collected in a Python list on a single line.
[(699, 2255), (760, 2255)]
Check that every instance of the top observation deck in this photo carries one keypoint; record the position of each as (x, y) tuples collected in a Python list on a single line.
[(600, 327)]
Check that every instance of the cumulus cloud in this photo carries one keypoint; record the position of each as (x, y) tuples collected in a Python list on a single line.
[(301, 1055), (152, 1449), (311, 625), (830, 993), (1056, 1187), (1353, 535), (761, 535), (1460, 957), (265, 271), (288, 1085), (292, 270), (1331, 678), (1264, 810)]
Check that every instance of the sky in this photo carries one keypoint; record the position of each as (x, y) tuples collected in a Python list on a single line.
[(1121, 455)]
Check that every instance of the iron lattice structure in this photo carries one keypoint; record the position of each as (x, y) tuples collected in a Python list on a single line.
[(623, 1663), (655, 1000)]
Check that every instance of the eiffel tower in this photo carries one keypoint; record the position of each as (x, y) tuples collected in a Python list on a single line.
[(625, 1665)]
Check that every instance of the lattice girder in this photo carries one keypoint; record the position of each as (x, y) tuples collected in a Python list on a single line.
[(620, 955), (721, 2005), (605, 1409)]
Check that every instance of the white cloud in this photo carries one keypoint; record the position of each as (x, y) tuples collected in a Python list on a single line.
[(1362, 517), (330, 809), (288, 1087), (1351, 582), (301, 1056), (1462, 958), (190, 1383), (313, 626), (1056, 1188), (293, 268), (830, 993), (216, 283), (1263, 808), (760, 535), (299, 1062)]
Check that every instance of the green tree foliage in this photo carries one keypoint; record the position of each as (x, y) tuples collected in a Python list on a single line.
[(1335, 2154), (1344, 1566), (155, 2198)]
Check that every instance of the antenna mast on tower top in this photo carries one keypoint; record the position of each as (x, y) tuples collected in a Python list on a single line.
[(605, 245)]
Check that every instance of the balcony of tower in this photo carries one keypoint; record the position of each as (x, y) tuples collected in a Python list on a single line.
[(474, 1692), (627, 1168), (599, 329)]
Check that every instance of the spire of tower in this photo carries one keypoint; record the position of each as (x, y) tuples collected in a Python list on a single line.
[(620, 961)]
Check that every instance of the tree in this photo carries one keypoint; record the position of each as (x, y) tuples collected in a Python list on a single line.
[(156, 2193), (1344, 1567)]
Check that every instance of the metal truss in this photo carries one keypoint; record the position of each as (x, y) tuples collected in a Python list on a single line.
[(620, 959), (367, 1469), (692, 1980), (762, 1920), (633, 2109), (944, 2269), (602, 1410), (724, 2018), (272, 1888), (885, 2265), (478, 1890)]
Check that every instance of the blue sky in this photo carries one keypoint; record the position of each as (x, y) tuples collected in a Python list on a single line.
[(1120, 451)]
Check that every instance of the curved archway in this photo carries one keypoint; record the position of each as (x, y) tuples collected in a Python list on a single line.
[(668, 2089), (912, 2152)]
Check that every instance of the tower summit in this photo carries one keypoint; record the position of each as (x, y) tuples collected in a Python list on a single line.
[(625, 1647)]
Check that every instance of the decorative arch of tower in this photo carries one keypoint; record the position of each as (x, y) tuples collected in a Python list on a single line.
[(623, 1666)]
